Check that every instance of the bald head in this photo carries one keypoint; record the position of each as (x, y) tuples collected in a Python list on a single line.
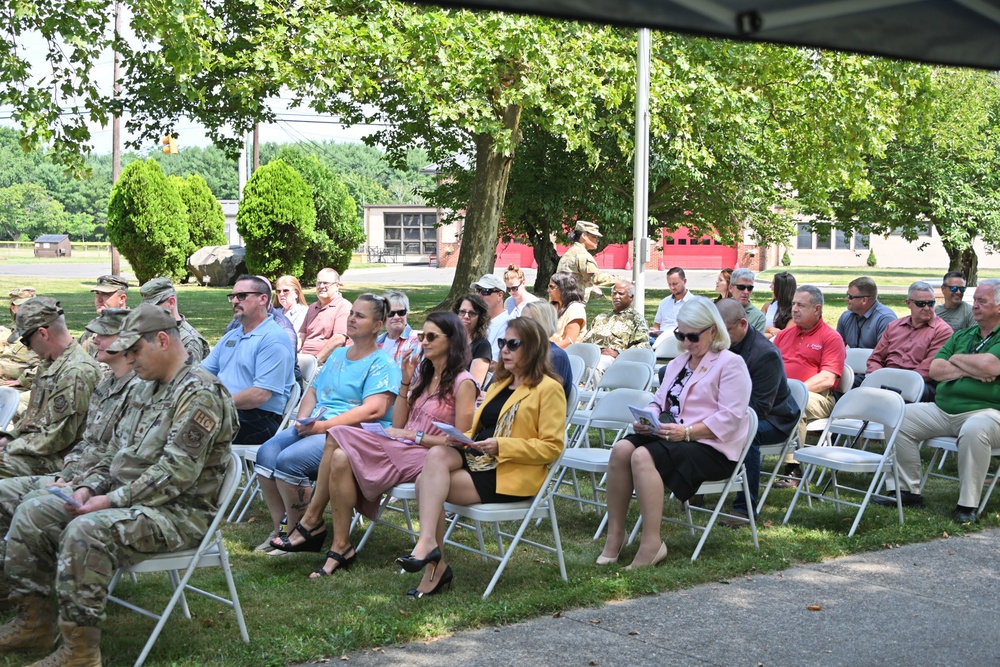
[(734, 315)]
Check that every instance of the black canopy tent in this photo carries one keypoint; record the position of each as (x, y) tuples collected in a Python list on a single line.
[(947, 32)]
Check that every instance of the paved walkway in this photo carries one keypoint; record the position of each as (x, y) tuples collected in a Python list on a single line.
[(935, 603)]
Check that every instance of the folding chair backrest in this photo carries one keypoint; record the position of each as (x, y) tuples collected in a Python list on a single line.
[(906, 383), (846, 380), (641, 354), (572, 402), (626, 375), (578, 366), (800, 394), (589, 352), (667, 346), (291, 406), (613, 406), (9, 398), (857, 359), (229, 485), (309, 365), (872, 405)]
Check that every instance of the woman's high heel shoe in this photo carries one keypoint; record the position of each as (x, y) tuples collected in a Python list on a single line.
[(604, 560), (445, 579), (411, 563), (313, 540)]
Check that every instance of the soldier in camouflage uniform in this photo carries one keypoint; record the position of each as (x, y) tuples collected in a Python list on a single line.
[(160, 292), (618, 330), (158, 494), (17, 362), (579, 263), (106, 408), (110, 292), (57, 411)]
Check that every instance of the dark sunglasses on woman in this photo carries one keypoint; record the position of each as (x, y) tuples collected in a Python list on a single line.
[(512, 344), (692, 337)]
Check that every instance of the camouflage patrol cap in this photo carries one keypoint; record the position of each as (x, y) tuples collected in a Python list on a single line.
[(147, 318), (157, 290), (21, 294), (589, 227), (109, 322), (110, 285), (35, 313)]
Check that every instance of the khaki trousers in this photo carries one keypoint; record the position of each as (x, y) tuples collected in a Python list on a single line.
[(978, 433), (819, 407)]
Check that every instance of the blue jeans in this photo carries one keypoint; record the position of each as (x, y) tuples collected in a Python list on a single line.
[(767, 434), (290, 457)]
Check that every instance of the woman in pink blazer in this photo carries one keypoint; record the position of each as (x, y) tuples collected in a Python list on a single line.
[(702, 402)]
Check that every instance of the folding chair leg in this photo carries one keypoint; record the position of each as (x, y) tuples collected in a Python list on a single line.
[(174, 584), (234, 597)]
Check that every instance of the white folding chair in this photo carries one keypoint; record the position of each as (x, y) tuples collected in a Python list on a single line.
[(9, 399), (666, 348), (572, 403), (857, 359), (906, 383), (308, 366), (845, 385), (590, 354), (542, 506), (250, 488), (210, 553), (865, 404), (641, 354), (397, 499), (578, 367), (800, 394), (619, 375), (737, 481), (942, 446)]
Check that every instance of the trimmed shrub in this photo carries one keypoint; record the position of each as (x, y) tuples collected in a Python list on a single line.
[(205, 220), (786, 259), (872, 262)]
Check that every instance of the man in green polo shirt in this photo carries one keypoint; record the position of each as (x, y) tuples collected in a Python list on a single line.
[(967, 407)]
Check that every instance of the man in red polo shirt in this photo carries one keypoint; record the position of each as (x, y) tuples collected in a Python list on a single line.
[(324, 328), (814, 353)]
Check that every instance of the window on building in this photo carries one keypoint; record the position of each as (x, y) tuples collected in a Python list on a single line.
[(860, 241), (823, 239), (411, 233), (842, 241), (805, 238)]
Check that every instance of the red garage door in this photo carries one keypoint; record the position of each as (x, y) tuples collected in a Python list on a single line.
[(699, 253)]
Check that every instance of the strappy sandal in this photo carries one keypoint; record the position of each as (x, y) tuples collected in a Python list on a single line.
[(313, 540), (342, 563)]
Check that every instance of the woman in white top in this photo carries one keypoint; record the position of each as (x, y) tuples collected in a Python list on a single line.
[(289, 297), (565, 295), (519, 297)]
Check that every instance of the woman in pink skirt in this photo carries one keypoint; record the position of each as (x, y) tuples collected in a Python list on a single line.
[(358, 466)]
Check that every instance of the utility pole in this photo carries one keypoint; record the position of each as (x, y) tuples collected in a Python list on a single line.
[(640, 194), (116, 134), (256, 148)]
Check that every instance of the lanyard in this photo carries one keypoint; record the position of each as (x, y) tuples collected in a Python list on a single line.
[(985, 341)]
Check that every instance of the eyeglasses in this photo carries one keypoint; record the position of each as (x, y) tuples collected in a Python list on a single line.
[(286, 291), (468, 313), (398, 313), (239, 296), (692, 337), (923, 304), (744, 288), (430, 336), (851, 297), (956, 288), (324, 283), (514, 288), (486, 292), (512, 344), (551, 287)]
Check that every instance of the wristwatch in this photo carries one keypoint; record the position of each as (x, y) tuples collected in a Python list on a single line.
[(420, 437)]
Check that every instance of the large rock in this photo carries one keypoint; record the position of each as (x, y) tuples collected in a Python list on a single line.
[(218, 265)]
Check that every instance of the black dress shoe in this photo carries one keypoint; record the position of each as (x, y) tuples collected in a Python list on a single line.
[(909, 499), (966, 515)]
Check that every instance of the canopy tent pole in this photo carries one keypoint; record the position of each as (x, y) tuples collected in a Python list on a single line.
[(640, 196)]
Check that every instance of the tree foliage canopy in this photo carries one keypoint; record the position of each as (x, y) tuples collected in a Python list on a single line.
[(147, 223)]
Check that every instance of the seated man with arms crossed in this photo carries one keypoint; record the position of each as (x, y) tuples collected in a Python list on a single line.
[(966, 407), (157, 494), (57, 410)]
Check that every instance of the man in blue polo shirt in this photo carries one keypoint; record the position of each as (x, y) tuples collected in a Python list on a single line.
[(255, 362), (966, 407)]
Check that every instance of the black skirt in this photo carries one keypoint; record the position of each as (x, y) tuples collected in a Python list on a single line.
[(683, 465), (486, 486)]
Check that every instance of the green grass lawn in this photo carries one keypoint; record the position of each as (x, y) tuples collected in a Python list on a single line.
[(294, 619)]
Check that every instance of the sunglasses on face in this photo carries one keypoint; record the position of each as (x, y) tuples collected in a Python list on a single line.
[(691, 337), (851, 297), (487, 292), (397, 313), (956, 288), (514, 288), (923, 304), (239, 296), (26, 338), (468, 313), (511, 344), (286, 291), (430, 336), (744, 288)]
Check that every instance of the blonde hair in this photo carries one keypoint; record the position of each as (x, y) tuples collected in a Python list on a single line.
[(700, 313), (513, 272)]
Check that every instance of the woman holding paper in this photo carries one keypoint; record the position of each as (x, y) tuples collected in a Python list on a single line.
[(702, 403), (359, 465), (356, 384), (517, 432)]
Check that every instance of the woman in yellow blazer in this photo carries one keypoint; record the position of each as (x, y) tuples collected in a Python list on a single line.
[(518, 431)]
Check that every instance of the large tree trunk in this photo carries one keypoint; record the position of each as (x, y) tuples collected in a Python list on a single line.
[(482, 219), (964, 260), (547, 260)]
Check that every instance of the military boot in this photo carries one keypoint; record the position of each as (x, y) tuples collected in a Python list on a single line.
[(34, 627), (81, 647)]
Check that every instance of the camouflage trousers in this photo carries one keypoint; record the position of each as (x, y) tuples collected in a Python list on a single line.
[(51, 551), (13, 491), (19, 465)]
